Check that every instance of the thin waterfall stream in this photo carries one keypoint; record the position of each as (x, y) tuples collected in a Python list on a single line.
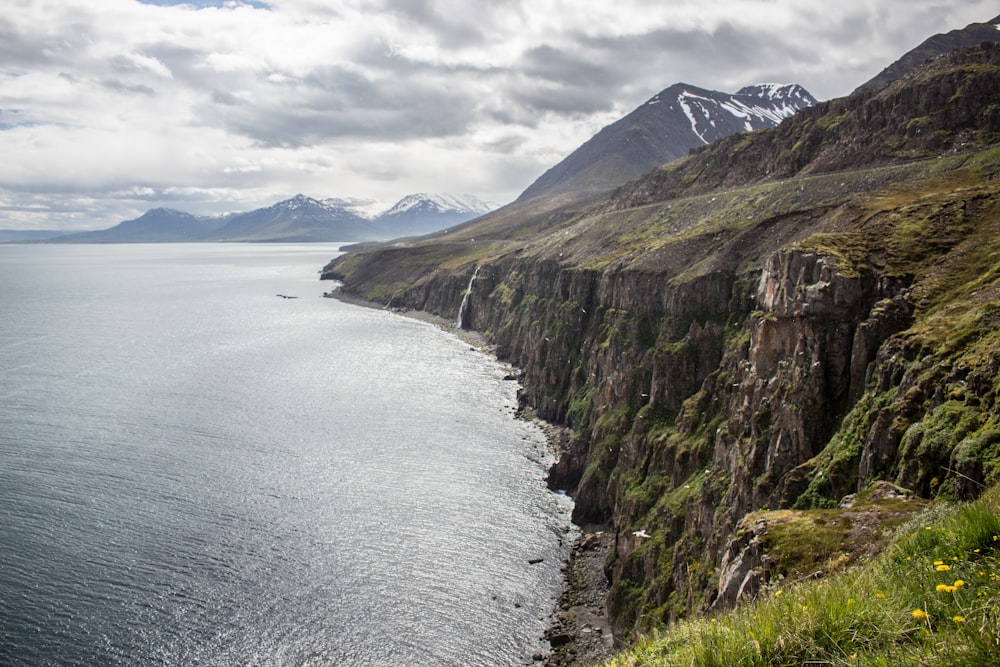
[(460, 321)]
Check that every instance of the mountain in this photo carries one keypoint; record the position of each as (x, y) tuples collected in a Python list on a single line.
[(757, 360), (970, 35), (368, 209), (158, 225), (299, 219), (665, 128), (423, 213)]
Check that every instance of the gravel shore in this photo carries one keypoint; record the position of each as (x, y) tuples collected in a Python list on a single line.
[(580, 633)]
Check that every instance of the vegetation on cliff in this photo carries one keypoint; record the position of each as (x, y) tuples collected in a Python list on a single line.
[(775, 322), (933, 598)]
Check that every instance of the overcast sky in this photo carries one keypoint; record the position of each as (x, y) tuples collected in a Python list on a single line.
[(111, 107)]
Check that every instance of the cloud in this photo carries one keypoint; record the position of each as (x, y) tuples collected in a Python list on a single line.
[(107, 109)]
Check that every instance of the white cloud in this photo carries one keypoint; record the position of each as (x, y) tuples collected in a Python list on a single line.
[(110, 108)]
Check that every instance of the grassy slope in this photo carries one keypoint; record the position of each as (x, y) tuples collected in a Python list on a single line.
[(933, 598)]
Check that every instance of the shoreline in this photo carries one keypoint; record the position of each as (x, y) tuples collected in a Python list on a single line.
[(579, 631)]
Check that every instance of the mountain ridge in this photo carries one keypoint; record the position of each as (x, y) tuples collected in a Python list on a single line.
[(157, 225), (664, 128), (933, 46), (297, 219)]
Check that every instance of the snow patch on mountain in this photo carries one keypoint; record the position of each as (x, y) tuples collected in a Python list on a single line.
[(754, 107), (440, 203), (369, 209)]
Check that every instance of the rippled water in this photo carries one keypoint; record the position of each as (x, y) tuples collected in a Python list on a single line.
[(194, 471)]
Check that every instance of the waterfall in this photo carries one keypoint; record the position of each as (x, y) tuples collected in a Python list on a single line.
[(460, 323)]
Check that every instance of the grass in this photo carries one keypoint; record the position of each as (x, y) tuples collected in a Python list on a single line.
[(933, 598)]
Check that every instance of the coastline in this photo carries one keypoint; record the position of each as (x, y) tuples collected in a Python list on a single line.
[(578, 632)]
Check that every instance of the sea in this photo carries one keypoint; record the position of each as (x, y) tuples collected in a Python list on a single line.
[(196, 470)]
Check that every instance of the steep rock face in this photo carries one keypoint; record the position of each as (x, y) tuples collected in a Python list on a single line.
[(796, 375), (777, 396)]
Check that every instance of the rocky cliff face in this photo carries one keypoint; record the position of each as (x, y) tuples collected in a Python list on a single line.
[(717, 352)]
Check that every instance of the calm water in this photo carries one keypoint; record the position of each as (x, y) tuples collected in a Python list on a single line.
[(194, 471)]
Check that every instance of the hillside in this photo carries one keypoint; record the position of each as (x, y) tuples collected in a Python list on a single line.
[(934, 46), (775, 321)]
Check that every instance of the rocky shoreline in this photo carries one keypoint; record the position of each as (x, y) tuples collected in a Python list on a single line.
[(580, 632)]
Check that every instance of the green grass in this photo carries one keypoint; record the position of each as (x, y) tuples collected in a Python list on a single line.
[(933, 598)]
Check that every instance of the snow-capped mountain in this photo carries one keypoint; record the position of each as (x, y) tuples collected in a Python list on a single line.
[(298, 219), (665, 128), (423, 213), (369, 209), (440, 203)]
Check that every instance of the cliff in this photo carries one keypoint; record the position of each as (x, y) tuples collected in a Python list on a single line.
[(776, 321)]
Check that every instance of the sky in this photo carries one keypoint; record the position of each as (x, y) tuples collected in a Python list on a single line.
[(109, 108)]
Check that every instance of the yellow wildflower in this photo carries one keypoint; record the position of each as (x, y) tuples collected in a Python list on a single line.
[(959, 583), (944, 588), (880, 596), (943, 568), (920, 615), (939, 562), (777, 593), (958, 619)]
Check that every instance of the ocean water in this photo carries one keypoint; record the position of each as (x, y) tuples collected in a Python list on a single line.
[(195, 471)]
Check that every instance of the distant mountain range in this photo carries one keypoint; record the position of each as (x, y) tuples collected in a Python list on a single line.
[(299, 219), (663, 129), (159, 225)]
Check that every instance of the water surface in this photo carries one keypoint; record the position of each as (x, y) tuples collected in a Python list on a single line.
[(194, 471)]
